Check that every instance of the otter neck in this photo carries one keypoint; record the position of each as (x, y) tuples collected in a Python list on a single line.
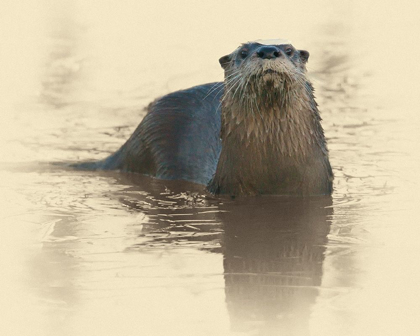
[(269, 140)]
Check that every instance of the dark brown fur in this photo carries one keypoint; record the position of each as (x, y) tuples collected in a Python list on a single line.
[(272, 139), (265, 113)]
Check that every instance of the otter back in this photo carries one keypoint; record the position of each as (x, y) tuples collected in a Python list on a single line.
[(178, 139)]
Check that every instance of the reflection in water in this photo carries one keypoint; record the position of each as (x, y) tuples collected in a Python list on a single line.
[(178, 213), (54, 273), (273, 247), (273, 253)]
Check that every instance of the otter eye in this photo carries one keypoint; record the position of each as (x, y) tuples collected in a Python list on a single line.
[(289, 51), (244, 53)]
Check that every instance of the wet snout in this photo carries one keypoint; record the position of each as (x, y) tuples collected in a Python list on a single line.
[(268, 52)]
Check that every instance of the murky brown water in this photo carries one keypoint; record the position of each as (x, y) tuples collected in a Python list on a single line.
[(95, 253)]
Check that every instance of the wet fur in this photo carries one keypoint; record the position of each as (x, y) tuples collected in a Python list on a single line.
[(272, 139), (259, 132)]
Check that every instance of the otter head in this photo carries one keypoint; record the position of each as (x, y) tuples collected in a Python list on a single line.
[(266, 66)]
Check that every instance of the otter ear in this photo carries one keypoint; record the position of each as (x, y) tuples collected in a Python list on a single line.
[(304, 55), (224, 61)]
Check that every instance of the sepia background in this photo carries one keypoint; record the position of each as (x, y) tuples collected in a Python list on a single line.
[(106, 253)]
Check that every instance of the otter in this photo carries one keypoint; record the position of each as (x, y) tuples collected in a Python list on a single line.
[(258, 132)]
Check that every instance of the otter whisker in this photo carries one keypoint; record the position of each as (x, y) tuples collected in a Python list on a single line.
[(241, 88), (212, 89), (217, 88), (230, 85), (227, 84)]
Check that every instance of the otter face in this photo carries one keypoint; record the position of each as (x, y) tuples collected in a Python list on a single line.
[(270, 62)]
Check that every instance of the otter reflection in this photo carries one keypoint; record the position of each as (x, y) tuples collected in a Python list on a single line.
[(273, 253), (273, 247)]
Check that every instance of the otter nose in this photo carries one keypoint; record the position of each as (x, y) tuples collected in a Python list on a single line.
[(268, 52)]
